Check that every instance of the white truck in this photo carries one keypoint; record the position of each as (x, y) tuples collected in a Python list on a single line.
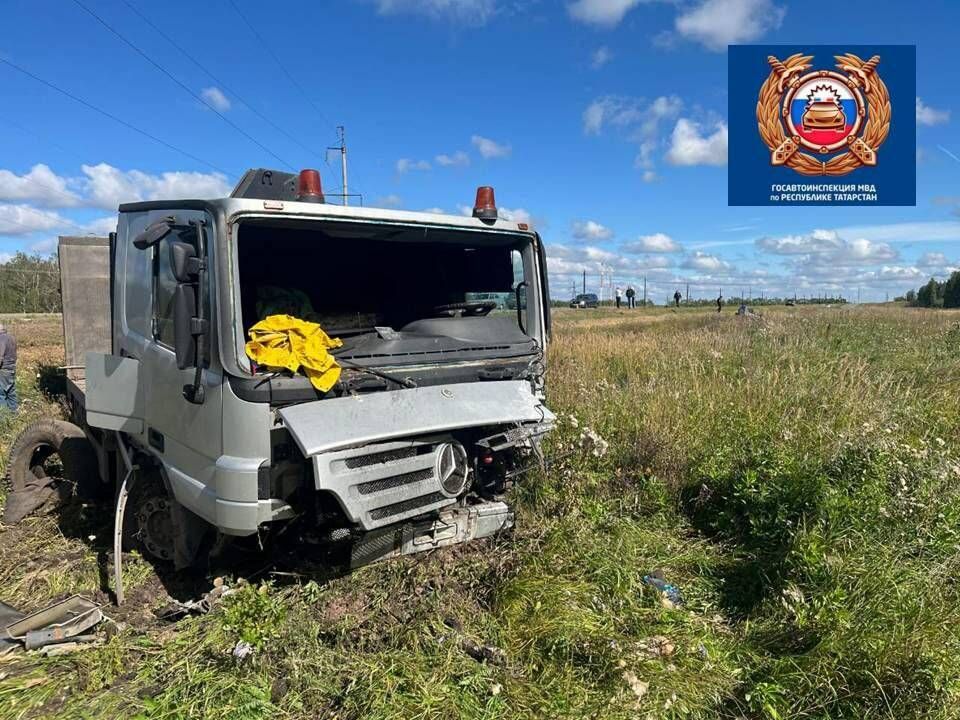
[(439, 407)]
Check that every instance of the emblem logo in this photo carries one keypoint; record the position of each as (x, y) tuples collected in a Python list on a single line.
[(823, 122), (452, 468)]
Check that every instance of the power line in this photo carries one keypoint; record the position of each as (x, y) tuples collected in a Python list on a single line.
[(219, 82), (280, 65), (293, 80), (111, 116), (185, 87)]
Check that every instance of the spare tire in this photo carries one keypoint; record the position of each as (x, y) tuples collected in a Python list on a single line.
[(50, 456)]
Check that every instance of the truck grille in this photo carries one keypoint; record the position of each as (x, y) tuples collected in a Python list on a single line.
[(383, 483), (376, 486), (406, 506), (362, 461)]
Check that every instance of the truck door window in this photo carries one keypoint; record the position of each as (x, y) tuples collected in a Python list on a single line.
[(165, 285)]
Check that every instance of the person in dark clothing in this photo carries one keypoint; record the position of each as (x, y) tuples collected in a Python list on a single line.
[(676, 298), (631, 297), (8, 370), (720, 302)]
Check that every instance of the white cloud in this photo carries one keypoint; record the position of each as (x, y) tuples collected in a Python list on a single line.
[(617, 110), (490, 148), (927, 115), (818, 241), (405, 165), (457, 159), (649, 176), (216, 99), (388, 201), (102, 226), (718, 23), (705, 262), (41, 186), (5, 257), (640, 122), (656, 243), (822, 251), (106, 186), (24, 220), (520, 215), (689, 146), (47, 246), (605, 13), (933, 260), (601, 56), (938, 231), (461, 12), (591, 230)]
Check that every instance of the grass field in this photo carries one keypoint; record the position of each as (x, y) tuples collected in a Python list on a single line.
[(796, 475)]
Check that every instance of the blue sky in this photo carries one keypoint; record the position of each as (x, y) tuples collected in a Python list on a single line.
[(602, 121)]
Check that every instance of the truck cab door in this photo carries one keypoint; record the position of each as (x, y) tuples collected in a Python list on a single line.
[(186, 437)]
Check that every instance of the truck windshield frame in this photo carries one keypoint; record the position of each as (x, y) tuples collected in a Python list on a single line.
[(501, 264)]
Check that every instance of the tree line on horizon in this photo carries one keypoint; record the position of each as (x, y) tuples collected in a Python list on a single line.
[(30, 284), (936, 294)]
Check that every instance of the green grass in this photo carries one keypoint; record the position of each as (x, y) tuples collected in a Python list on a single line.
[(795, 475)]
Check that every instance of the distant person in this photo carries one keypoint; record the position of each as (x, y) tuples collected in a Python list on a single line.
[(631, 297), (618, 296), (720, 302), (8, 370), (676, 298)]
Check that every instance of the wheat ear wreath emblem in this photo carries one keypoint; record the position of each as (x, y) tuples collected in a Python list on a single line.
[(824, 122)]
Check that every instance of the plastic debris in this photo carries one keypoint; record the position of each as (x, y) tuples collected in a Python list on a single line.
[(242, 650), (670, 596)]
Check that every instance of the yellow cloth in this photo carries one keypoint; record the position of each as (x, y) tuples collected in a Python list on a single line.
[(282, 341)]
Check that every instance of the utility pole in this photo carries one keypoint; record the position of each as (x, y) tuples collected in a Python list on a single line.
[(858, 296), (688, 293), (584, 281), (342, 147)]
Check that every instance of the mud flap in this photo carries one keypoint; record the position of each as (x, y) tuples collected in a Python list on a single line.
[(453, 526)]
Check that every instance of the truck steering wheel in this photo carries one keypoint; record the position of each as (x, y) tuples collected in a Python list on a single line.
[(466, 309)]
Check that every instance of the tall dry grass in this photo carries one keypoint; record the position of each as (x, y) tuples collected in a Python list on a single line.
[(794, 475)]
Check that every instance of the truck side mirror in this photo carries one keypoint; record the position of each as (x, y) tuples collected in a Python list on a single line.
[(184, 261), (153, 234), (184, 310)]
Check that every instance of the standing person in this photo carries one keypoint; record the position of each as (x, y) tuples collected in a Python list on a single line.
[(676, 298), (719, 302), (8, 370), (618, 297), (631, 297)]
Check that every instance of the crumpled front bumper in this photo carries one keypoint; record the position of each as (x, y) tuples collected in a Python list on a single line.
[(378, 454)]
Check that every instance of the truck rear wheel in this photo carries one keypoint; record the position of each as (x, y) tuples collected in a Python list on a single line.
[(50, 456)]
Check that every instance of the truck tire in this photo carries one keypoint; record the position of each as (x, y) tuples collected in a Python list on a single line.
[(58, 450)]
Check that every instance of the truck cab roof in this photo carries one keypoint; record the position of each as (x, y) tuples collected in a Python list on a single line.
[(264, 192)]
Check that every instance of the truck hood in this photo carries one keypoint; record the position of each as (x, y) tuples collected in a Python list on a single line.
[(338, 423)]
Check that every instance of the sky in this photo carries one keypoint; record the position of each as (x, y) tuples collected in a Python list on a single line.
[(602, 122)]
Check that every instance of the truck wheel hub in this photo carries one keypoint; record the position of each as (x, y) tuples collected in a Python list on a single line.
[(155, 526)]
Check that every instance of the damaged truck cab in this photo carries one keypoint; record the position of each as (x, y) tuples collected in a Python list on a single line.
[(444, 322)]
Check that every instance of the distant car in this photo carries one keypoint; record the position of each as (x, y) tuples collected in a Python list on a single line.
[(791, 303), (585, 300)]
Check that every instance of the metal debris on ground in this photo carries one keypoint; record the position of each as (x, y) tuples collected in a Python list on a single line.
[(481, 653), (60, 624), (202, 605)]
